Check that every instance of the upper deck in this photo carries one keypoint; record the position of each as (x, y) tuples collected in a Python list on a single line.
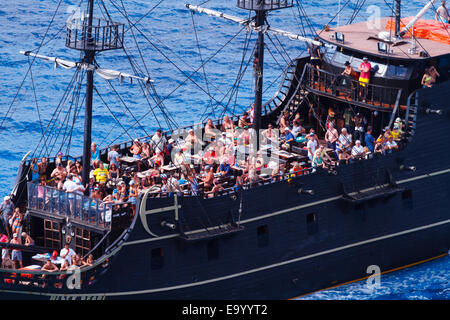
[(364, 37)]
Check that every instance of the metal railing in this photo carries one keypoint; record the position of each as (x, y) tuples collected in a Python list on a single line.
[(370, 95), (69, 204), (264, 4), (102, 35)]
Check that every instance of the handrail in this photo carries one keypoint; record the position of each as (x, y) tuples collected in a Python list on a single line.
[(292, 64), (408, 108), (63, 204), (397, 104), (295, 92), (378, 94)]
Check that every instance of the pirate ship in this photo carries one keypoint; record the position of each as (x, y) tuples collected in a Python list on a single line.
[(283, 236)]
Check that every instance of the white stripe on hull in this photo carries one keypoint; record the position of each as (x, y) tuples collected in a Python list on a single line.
[(271, 266)]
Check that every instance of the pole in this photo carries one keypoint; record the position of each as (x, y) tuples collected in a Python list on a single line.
[(89, 59), (259, 66), (397, 17)]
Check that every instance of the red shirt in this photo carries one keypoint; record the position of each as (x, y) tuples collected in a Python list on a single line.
[(365, 75)]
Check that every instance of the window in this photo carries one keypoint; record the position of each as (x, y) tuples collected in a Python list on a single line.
[(157, 257), (52, 234), (397, 71), (263, 236), (82, 241), (311, 223), (212, 249), (340, 58)]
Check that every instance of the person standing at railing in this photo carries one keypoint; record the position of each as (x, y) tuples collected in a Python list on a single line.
[(442, 14), (42, 168), (331, 137), (316, 58), (364, 78), (95, 153), (72, 188), (6, 209), (113, 156), (34, 170), (16, 255)]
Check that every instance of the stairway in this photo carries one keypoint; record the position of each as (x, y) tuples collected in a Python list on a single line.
[(288, 95), (411, 115)]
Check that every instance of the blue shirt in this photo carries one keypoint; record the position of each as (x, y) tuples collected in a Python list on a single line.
[(95, 156), (225, 167), (289, 136), (370, 142), (35, 176)]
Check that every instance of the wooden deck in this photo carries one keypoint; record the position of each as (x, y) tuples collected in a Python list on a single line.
[(362, 37)]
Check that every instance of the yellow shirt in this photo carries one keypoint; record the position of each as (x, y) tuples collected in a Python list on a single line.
[(395, 134), (101, 174)]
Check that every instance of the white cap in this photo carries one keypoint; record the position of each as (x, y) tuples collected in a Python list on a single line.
[(357, 141), (7, 198)]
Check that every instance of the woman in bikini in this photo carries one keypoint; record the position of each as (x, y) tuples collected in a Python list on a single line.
[(227, 125)]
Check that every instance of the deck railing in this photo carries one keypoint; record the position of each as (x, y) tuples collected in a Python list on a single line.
[(59, 203), (102, 35), (369, 95), (264, 4)]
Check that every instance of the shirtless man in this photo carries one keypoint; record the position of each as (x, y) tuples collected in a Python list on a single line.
[(49, 266), (59, 174), (16, 253), (42, 168), (331, 137)]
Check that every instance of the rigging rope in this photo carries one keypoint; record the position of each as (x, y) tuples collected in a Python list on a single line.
[(169, 119), (36, 101), (112, 113), (201, 60)]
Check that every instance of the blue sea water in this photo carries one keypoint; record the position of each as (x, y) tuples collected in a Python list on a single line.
[(164, 46)]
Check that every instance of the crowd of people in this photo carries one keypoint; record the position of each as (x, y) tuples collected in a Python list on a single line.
[(214, 159)]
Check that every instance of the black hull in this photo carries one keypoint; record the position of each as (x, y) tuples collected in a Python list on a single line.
[(292, 243)]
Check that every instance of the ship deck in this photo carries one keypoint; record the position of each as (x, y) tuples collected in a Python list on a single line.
[(362, 37)]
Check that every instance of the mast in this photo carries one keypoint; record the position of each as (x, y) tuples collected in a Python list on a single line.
[(92, 35), (398, 4), (89, 59), (259, 72), (261, 7)]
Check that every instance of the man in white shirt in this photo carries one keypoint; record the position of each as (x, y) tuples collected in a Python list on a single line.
[(442, 14), (113, 156), (345, 140), (358, 151), (158, 141), (173, 186), (311, 146), (70, 186), (390, 145), (67, 253), (344, 144), (224, 140)]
